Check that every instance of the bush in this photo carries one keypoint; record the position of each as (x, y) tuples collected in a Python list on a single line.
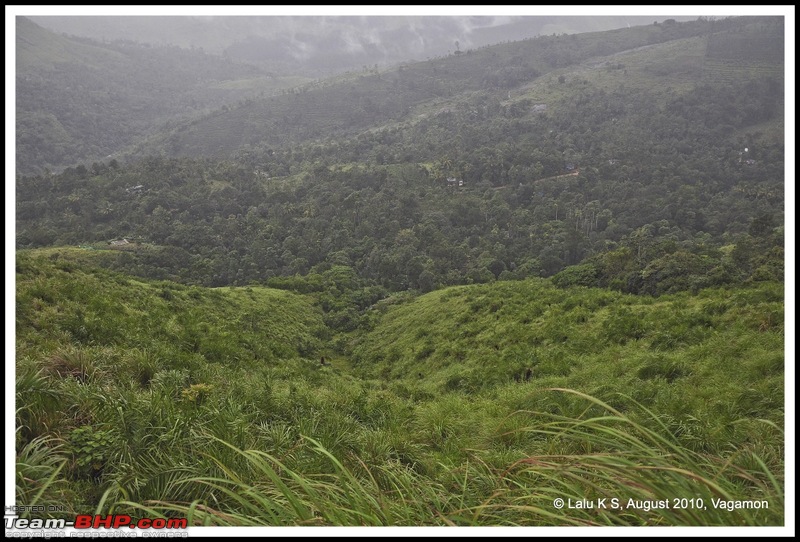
[(577, 275)]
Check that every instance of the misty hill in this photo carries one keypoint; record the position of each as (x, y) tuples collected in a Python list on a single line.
[(376, 99), (321, 46), (79, 100), (82, 101), (656, 170)]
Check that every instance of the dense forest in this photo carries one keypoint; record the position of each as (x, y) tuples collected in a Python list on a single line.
[(442, 293), (651, 191)]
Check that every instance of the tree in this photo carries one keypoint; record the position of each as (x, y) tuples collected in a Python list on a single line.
[(426, 281)]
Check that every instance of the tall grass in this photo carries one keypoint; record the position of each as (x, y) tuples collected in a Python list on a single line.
[(266, 492), (206, 406), (608, 455), (40, 463), (600, 454)]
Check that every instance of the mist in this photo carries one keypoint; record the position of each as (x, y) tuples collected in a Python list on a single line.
[(319, 46)]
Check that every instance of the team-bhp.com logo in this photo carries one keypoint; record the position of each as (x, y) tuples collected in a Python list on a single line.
[(88, 521)]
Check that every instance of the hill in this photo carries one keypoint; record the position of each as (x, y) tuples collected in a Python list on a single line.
[(372, 98), (211, 404), (315, 46), (81, 101), (446, 294), (130, 90), (62, 296), (471, 339)]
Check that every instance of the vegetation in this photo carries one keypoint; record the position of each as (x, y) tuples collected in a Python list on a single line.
[(664, 189), (445, 294), (167, 399), (352, 103), (83, 101)]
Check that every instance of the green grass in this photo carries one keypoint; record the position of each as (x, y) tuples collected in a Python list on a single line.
[(709, 365), (159, 399), (602, 454)]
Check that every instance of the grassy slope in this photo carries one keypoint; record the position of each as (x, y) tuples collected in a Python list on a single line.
[(139, 385), (117, 333), (98, 308), (700, 362)]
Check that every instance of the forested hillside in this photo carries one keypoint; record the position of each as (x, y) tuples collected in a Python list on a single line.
[(79, 100), (350, 103), (654, 189)]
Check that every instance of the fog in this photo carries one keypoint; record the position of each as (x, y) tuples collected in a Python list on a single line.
[(317, 46)]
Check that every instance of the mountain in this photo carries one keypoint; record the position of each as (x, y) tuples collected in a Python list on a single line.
[(125, 90), (316, 46), (658, 168), (514, 73), (79, 100)]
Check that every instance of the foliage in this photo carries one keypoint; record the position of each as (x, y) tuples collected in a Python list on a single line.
[(444, 401), (661, 177), (606, 455), (349, 320), (91, 448), (39, 478)]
